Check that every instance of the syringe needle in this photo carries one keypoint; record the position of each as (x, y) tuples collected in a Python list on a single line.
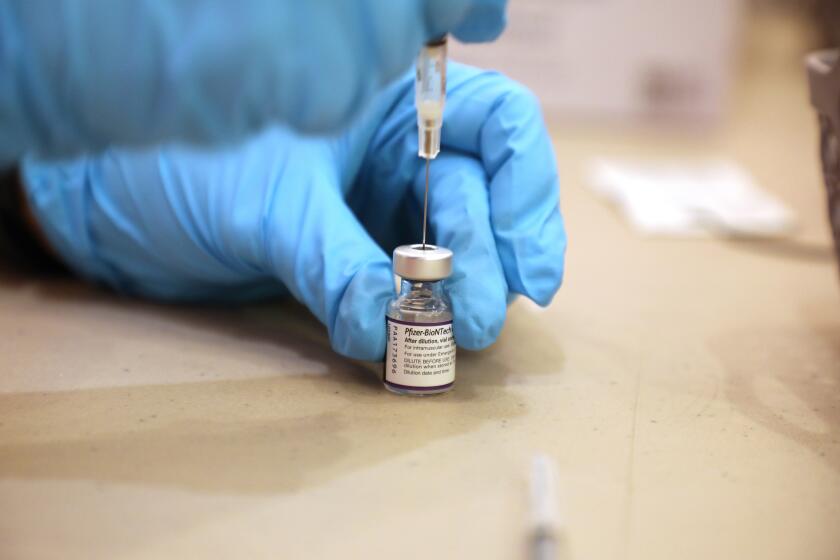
[(426, 202), (429, 100)]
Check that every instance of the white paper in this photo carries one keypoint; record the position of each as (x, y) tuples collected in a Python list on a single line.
[(690, 199)]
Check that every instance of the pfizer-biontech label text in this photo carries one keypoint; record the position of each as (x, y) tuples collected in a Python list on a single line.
[(419, 355)]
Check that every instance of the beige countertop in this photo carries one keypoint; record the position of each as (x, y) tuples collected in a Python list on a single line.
[(689, 392)]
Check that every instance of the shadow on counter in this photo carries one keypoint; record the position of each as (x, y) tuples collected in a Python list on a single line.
[(253, 435)]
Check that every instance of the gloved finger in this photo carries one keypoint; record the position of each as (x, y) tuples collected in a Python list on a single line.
[(319, 250), (81, 76), (499, 122), (459, 212), (480, 20)]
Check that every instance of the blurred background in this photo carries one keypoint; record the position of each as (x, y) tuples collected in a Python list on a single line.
[(675, 62), (644, 97)]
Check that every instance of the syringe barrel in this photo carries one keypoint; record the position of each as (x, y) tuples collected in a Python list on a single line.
[(430, 96)]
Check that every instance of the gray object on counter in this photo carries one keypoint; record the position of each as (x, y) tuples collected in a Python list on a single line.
[(824, 81)]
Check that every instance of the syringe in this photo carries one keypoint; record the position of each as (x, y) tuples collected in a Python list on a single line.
[(429, 99)]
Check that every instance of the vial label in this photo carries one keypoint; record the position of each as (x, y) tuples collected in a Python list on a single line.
[(419, 355)]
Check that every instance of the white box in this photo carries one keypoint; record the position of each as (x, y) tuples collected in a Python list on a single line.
[(618, 58)]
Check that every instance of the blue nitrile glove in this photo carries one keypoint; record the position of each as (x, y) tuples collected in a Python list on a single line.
[(314, 216), (83, 75)]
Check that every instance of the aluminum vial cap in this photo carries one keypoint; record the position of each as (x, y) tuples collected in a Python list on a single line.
[(416, 262)]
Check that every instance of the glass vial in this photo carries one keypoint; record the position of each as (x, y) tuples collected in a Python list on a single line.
[(420, 351)]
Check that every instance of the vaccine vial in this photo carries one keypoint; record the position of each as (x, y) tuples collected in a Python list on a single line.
[(420, 354)]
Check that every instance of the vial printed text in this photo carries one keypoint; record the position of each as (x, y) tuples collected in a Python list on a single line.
[(420, 355)]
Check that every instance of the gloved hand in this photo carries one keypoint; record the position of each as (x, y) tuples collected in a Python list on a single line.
[(83, 75), (312, 216)]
